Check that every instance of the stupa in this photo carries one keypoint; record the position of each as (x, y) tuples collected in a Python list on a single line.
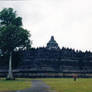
[(52, 44)]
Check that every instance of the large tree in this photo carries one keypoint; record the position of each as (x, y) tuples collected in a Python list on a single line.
[(12, 35)]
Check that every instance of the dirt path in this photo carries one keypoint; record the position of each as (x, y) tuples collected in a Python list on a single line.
[(37, 86)]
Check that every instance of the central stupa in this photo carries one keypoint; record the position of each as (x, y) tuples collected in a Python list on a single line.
[(52, 44)]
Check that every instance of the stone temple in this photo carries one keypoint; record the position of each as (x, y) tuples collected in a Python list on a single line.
[(50, 61), (52, 44)]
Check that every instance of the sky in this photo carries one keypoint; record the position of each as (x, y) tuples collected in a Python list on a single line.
[(69, 21)]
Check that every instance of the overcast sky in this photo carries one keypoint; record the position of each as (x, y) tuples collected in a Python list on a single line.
[(69, 21)]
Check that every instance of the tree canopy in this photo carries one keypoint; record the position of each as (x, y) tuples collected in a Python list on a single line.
[(9, 16), (12, 34)]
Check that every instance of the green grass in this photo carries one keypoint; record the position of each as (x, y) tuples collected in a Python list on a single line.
[(68, 85), (13, 85), (57, 84)]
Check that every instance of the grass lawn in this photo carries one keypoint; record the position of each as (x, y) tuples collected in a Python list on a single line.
[(12, 85), (68, 85), (57, 84)]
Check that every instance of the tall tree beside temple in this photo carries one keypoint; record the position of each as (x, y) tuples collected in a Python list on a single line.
[(12, 35)]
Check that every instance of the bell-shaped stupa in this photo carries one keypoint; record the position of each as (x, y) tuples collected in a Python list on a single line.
[(52, 44)]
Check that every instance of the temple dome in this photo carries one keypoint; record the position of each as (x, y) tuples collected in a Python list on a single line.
[(52, 44)]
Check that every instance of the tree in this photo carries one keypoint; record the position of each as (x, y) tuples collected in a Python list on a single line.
[(8, 16), (12, 35)]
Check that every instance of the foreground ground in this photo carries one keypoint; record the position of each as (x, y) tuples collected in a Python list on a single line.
[(18, 84), (54, 84), (37, 86), (68, 85)]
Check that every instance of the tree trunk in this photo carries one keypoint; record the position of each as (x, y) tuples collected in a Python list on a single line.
[(10, 73)]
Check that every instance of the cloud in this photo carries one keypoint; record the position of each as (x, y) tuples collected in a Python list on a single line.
[(70, 21)]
